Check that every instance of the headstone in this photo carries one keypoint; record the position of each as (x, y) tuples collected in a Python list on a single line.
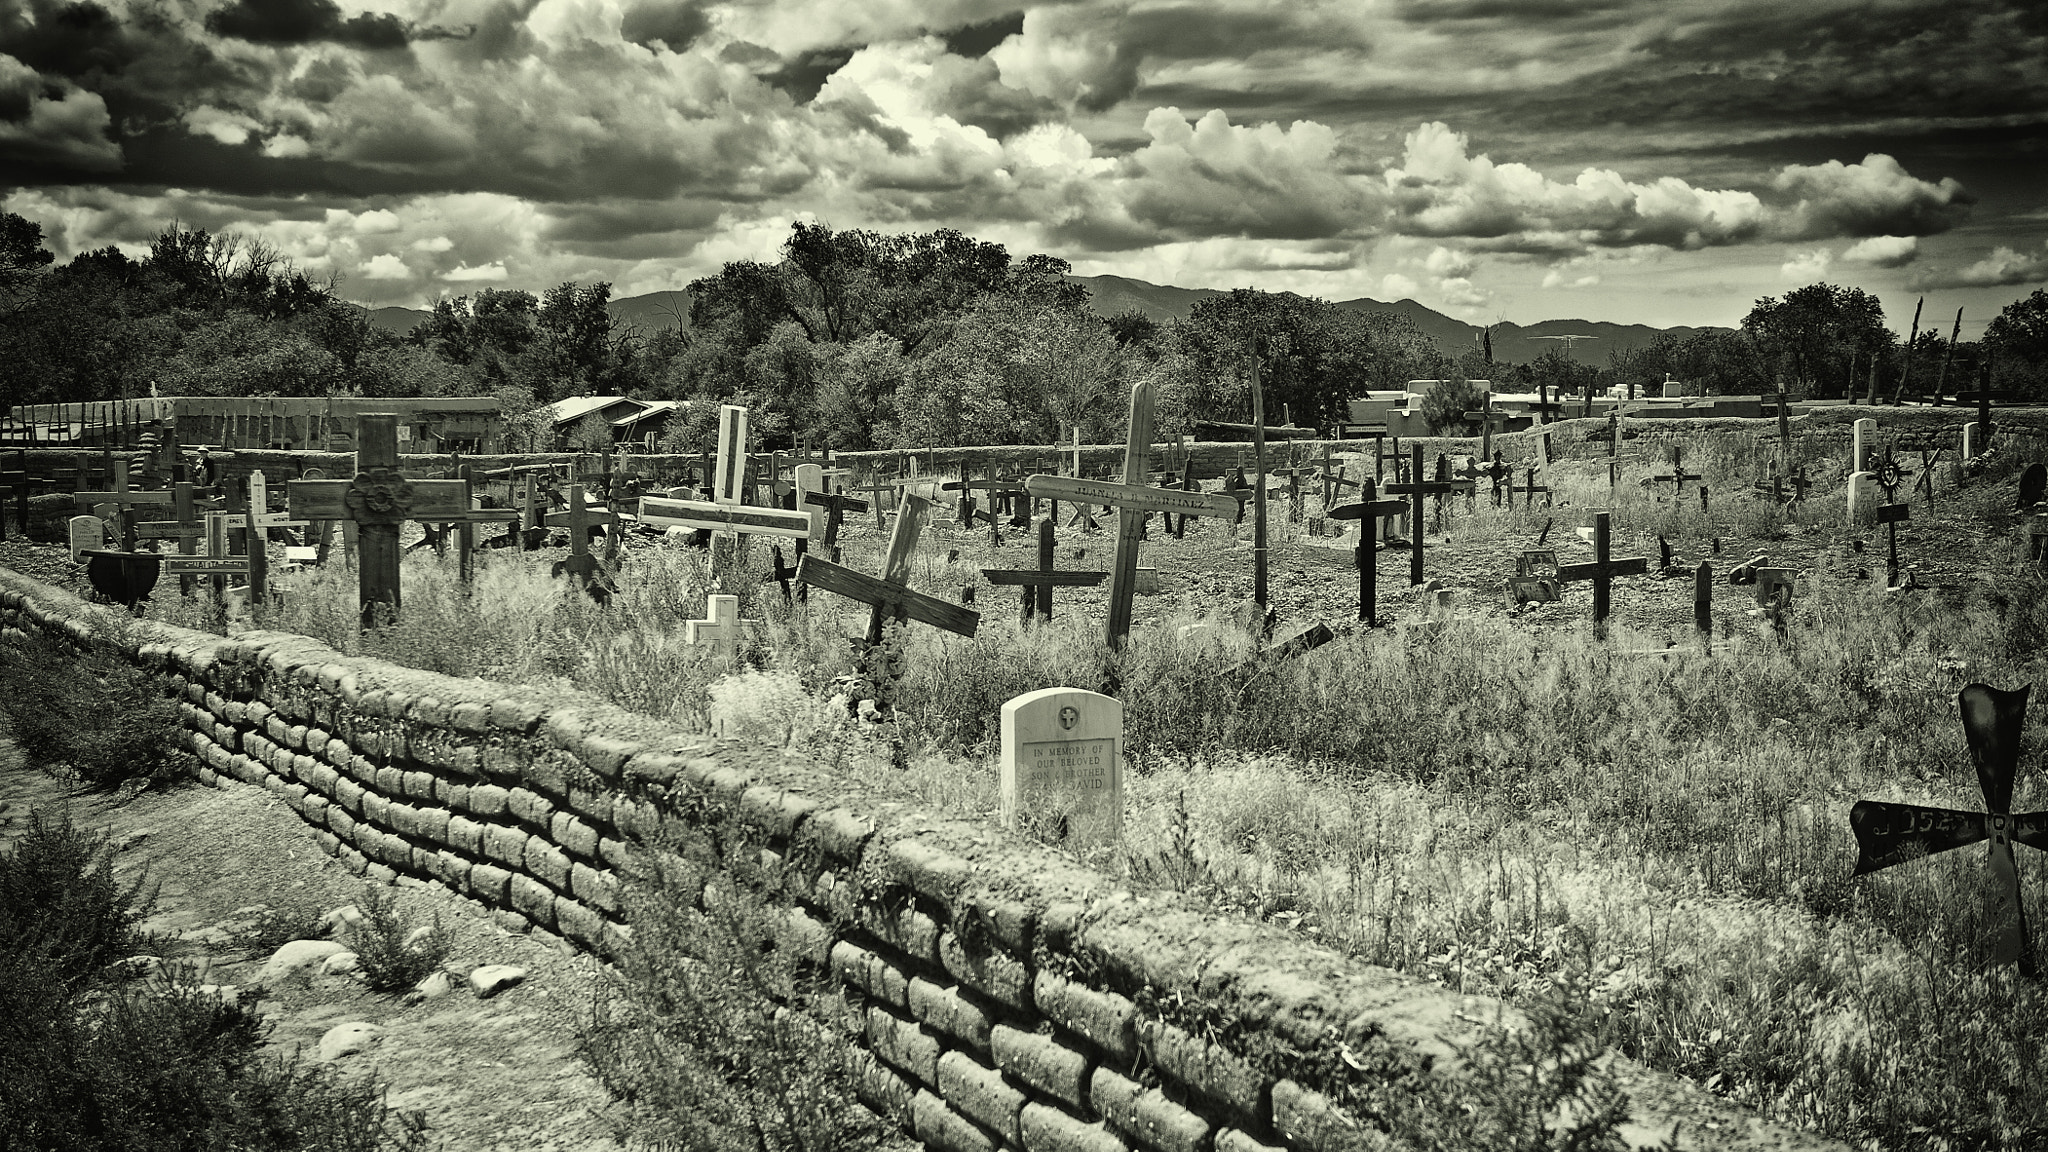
[(1062, 766), (1865, 439), (1864, 497), (2033, 487), (1972, 441), (86, 532), (1147, 581)]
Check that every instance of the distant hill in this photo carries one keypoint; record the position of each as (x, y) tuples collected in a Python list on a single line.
[(1109, 295), (1514, 343), (652, 313)]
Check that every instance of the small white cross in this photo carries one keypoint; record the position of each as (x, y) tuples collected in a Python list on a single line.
[(721, 629)]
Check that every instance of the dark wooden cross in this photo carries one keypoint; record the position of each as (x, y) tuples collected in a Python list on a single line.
[(1367, 510), (876, 489), (184, 528), (1982, 397), (1928, 458), (1888, 833), (581, 566), (378, 500), (1039, 582), (1614, 457), (1889, 515), (836, 506), (17, 482), (890, 595), (1678, 475), (1132, 500), (1415, 490), (1602, 570), (1488, 420)]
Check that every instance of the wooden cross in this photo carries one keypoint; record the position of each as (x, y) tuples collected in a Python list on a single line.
[(1982, 397), (836, 506), (721, 628), (1488, 420), (1925, 483), (889, 594), (1528, 488), (1678, 475), (1889, 515), (125, 500), (184, 528), (1888, 833), (1602, 570), (465, 526), (1039, 582), (1415, 490), (17, 482), (377, 500), (1367, 510), (1132, 502), (581, 566), (876, 489), (1614, 457)]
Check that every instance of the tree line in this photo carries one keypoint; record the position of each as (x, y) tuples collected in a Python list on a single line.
[(855, 340)]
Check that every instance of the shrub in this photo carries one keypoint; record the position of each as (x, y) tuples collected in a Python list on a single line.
[(87, 710), (60, 902), (291, 918), (387, 961), (703, 1032)]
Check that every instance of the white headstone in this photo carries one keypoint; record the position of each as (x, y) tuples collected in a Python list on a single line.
[(1864, 497), (87, 532), (811, 478), (1970, 441), (1865, 432), (1063, 765)]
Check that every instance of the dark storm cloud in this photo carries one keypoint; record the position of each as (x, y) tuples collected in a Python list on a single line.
[(976, 39), (1432, 11), (803, 76), (75, 40), (972, 92), (677, 25), (304, 22), (611, 221)]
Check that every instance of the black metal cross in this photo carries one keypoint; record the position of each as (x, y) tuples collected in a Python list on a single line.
[(1602, 570), (1888, 833), (1415, 490)]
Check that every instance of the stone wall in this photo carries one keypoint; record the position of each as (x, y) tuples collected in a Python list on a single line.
[(1000, 995)]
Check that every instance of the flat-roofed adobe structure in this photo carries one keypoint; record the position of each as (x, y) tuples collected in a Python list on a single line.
[(471, 424)]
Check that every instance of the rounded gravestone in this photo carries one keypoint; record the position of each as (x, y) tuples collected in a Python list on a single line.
[(1062, 766)]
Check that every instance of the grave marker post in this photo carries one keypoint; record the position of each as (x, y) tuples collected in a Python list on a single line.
[(377, 500), (1703, 603), (1259, 588), (1367, 511), (1415, 490), (1062, 765), (1889, 515), (1889, 833), (124, 499), (1038, 583), (1603, 569)]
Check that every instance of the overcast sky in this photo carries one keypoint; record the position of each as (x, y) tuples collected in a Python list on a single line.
[(1660, 161)]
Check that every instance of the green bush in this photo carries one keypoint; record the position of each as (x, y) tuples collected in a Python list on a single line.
[(387, 962), (60, 902), (84, 709)]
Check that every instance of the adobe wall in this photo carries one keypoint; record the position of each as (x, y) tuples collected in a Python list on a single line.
[(1005, 997)]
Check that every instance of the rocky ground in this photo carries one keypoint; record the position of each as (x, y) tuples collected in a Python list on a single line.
[(488, 1057)]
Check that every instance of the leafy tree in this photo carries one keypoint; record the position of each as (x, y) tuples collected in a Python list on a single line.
[(1815, 334), (2017, 342), (22, 256), (1011, 372), (1315, 357), (856, 395), (1445, 403)]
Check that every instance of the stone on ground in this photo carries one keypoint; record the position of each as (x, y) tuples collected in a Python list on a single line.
[(492, 979), (297, 956), (348, 1039), (340, 963)]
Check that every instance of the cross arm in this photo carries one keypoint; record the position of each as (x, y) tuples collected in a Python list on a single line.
[(1363, 510), (1888, 834), (1428, 488), (433, 500), (1632, 566), (1032, 576), (661, 512), (891, 598), (1131, 497), (830, 499)]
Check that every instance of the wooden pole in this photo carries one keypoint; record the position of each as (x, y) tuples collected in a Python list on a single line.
[(1415, 521), (1130, 522), (1941, 381), (1259, 588), (1703, 603), (377, 551), (1906, 368)]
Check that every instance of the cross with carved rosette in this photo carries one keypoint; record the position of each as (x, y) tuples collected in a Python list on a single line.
[(1888, 833), (378, 499)]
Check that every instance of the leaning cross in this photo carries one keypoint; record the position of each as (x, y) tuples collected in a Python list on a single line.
[(1039, 582), (1888, 833), (1367, 511), (890, 594), (1602, 570), (1132, 501), (377, 500)]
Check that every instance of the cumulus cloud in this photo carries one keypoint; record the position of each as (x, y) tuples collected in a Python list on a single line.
[(1807, 267), (385, 266), (52, 122), (305, 21), (1876, 197), (464, 274), (1556, 278), (2005, 266), (1883, 251), (1440, 189)]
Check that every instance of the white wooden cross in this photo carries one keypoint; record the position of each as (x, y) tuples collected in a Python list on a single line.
[(724, 512), (723, 627)]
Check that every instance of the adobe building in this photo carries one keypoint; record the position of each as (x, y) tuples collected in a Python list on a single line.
[(467, 424)]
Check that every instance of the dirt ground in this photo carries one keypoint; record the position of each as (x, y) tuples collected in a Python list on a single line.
[(494, 1075)]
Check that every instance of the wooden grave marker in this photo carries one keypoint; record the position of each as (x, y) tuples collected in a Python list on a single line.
[(1889, 833), (1603, 569), (1678, 475), (1132, 501), (1889, 515), (377, 500), (1039, 582), (581, 566), (1415, 490), (1368, 509), (889, 595), (125, 500)]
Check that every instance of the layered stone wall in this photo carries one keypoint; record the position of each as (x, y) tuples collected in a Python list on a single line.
[(999, 995)]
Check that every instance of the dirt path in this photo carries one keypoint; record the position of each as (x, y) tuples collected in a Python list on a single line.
[(493, 1075)]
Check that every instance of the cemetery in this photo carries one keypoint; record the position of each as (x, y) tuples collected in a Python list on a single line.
[(1161, 795)]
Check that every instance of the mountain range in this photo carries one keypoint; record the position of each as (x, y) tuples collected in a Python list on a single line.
[(1110, 295)]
